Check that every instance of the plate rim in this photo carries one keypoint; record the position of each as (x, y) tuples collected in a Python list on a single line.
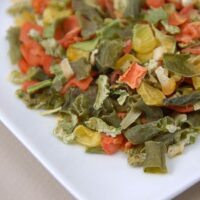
[(67, 186)]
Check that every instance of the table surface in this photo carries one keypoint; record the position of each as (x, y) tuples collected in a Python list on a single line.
[(23, 177)]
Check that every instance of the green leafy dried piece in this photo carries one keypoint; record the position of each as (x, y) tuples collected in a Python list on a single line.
[(88, 45), (14, 44), (46, 99), (114, 29), (81, 68), (169, 28), (59, 78), (108, 113), (99, 125), (167, 139), (34, 73), (183, 137), (111, 118), (65, 126), (136, 156), (192, 119), (89, 17), (179, 64), (183, 100), (133, 9), (20, 7), (155, 15), (82, 103), (109, 52), (53, 48), (123, 94), (141, 133), (103, 91), (130, 118), (152, 113), (155, 157)]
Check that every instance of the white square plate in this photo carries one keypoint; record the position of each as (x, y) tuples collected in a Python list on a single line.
[(87, 177)]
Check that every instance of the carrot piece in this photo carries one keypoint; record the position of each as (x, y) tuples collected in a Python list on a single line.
[(189, 32), (71, 23), (176, 19), (187, 10), (182, 109), (155, 3), (82, 84), (134, 75), (40, 5), (46, 64), (111, 144), (108, 6), (128, 145), (27, 84), (25, 29), (193, 50), (121, 115), (36, 56), (71, 37), (177, 3), (23, 65), (128, 46)]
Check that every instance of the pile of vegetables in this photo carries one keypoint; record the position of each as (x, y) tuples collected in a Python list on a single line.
[(120, 75)]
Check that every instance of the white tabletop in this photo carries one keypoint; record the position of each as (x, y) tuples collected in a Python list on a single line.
[(22, 177)]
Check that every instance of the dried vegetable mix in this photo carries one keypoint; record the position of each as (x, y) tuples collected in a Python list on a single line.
[(119, 75)]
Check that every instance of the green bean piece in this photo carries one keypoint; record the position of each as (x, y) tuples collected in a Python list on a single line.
[(94, 150), (155, 157), (142, 133), (39, 86)]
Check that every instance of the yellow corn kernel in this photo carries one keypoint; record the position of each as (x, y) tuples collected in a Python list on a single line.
[(125, 61), (87, 137), (150, 95), (75, 54), (196, 82)]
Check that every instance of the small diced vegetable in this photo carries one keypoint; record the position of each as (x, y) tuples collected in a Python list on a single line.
[(133, 76), (87, 137), (155, 157)]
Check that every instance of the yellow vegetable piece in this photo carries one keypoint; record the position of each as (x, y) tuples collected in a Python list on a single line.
[(187, 91), (145, 57), (144, 40), (75, 54), (176, 77), (150, 95), (168, 84), (87, 137), (196, 82), (24, 17), (170, 87), (125, 61), (51, 14)]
